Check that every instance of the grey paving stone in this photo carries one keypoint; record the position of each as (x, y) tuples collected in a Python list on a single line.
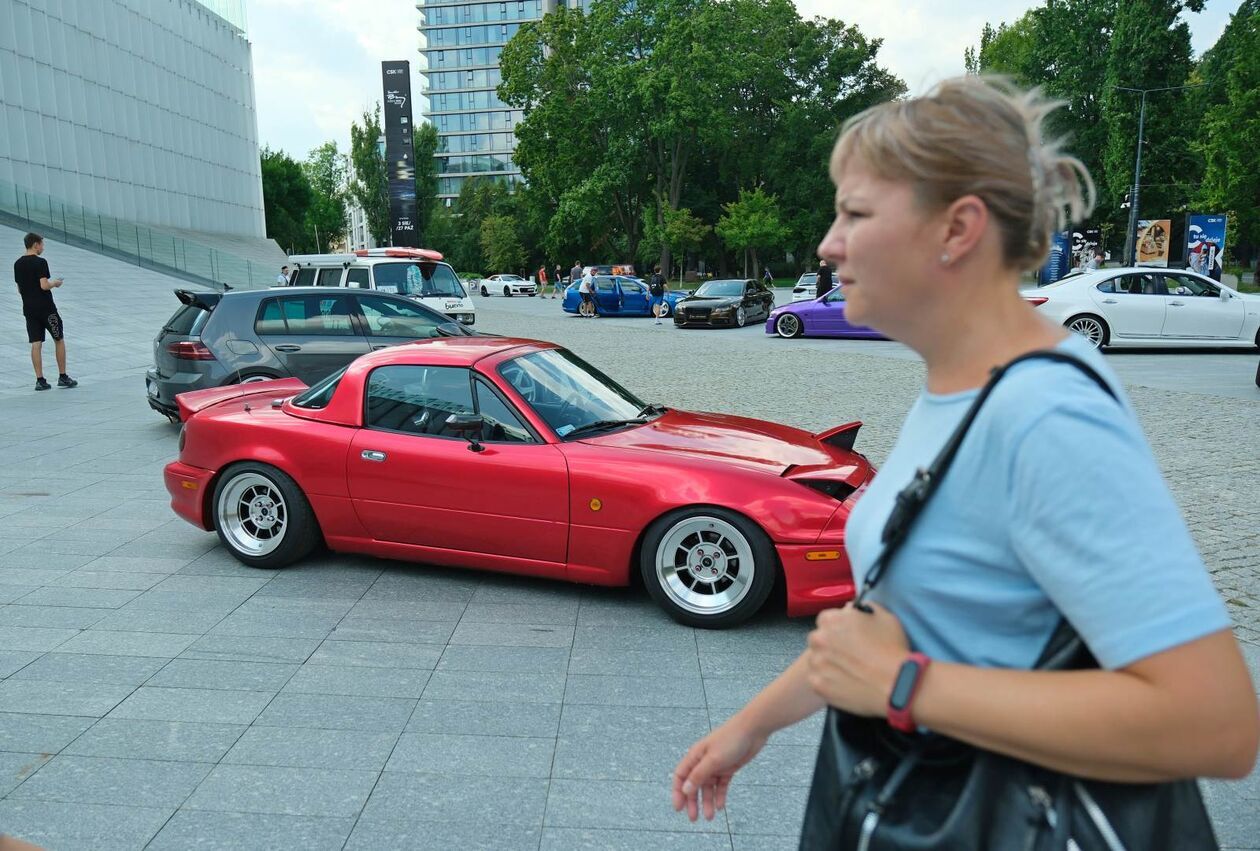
[(363, 681), (251, 649), (10, 592), (781, 765), (513, 634), (277, 625), (806, 732), (607, 690), (36, 560), (643, 663), (17, 767), (411, 610), (397, 630), (337, 712), (417, 584), (258, 605), (63, 617), (107, 780), (377, 654), (107, 579), (119, 643), (197, 705), (32, 733), (156, 740), (749, 842), (213, 831), (515, 801), (620, 607), (633, 722), (485, 718), (734, 692), (758, 636), (91, 668), (209, 673), (51, 697), (559, 612), (307, 748), (34, 638), (402, 831), (156, 599), (34, 577), (774, 810), (128, 619), (672, 639), (283, 790), (577, 839), (511, 687), (734, 663), (75, 826), (162, 566), (89, 598), (538, 660), (481, 755), (597, 758), (12, 661), (620, 804), (315, 588)]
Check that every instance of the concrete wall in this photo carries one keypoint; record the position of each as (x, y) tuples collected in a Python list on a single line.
[(139, 109)]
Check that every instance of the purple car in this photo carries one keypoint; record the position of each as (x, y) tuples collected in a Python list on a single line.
[(819, 317)]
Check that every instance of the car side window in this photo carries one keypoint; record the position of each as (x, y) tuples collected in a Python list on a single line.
[(357, 278), (270, 320), (1135, 285), (502, 425), (1186, 285), (605, 285), (316, 315), (305, 278), (417, 399), (388, 317), (329, 278)]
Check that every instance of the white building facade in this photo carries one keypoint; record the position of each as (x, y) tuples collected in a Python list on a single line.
[(141, 110)]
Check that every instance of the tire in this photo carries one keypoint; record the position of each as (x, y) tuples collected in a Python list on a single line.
[(741, 318), (275, 500), (1091, 327), (789, 325), (720, 542), (484, 292), (665, 311), (507, 292)]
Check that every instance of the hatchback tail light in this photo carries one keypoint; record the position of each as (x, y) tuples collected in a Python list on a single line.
[(190, 350), (1036, 300)]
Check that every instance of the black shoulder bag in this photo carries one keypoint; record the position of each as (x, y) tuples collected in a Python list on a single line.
[(878, 789)]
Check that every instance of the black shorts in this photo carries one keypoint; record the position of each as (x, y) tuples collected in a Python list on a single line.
[(37, 325), (587, 298)]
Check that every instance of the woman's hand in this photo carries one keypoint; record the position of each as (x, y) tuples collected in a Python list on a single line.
[(853, 658), (710, 765)]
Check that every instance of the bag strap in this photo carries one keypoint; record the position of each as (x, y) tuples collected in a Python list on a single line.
[(913, 498)]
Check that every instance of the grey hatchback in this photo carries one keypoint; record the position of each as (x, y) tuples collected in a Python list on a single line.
[(237, 337)]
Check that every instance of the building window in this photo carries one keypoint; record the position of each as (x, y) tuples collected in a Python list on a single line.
[(520, 5), (503, 29), (470, 78), (441, 56)]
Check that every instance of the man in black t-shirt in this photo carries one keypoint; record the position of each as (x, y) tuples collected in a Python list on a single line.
[(823, 284), (35, 284), (657, 288)]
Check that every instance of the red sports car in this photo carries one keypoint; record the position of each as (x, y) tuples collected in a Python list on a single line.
[(518, 456)]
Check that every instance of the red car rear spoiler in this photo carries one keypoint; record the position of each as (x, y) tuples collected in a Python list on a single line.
[(842, 436), (198, 400)]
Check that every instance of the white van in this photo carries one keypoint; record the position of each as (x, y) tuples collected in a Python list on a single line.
[(415, 272)]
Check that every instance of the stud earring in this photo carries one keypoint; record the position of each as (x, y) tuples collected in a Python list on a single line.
[(944, 259)]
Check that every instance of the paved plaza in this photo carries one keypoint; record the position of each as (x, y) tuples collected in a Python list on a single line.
[(154, 693)]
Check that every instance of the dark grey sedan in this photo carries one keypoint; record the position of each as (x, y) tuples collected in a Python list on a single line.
[(215, 339)]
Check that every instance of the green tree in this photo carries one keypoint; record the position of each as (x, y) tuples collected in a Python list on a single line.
[(424, 143), (325, 170), (679, 232), (753, 223), (286, 197), (370, 187), (501, 246)]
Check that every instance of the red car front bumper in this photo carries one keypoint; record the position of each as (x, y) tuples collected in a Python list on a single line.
[(817, 576), (188, 489)]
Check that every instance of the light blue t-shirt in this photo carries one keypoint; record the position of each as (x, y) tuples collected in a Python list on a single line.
[(1053, 504)]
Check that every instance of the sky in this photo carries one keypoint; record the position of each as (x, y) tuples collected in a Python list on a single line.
[(317, 62)]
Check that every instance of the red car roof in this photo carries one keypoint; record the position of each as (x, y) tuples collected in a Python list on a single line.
[(448, 351)]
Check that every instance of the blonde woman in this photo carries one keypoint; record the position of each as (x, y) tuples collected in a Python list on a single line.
[(1054, 507)]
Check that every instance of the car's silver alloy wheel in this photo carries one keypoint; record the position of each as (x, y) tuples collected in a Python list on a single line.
[(254, 379), (740, 318), (1089, 328), (252, 514), (705, 565), (664, 309), (788, 325)]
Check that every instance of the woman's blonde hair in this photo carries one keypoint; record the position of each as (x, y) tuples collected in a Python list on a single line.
[(976, 135)]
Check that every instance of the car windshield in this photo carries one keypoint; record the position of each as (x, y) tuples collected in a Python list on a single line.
[(423, 278), (834, 294), (712, 289), (809, 278), (567, 392), (510, 278)]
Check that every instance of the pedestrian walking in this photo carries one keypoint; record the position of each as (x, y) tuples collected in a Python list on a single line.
[(1043, 646), (767, 279), (35, 284), (283, 278), (558, 276), (587, 290), (542, 282), (823, 284), (658, 287)]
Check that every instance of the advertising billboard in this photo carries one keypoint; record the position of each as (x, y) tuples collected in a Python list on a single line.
[(1205, 245), (1086, 243), (1153, 236), (400, 166), (1059, 261)]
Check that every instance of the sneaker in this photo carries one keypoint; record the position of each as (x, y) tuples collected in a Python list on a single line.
[(66, 381), (658, 322), (42, 384)]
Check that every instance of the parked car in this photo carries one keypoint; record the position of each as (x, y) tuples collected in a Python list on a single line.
[(620, 296), (417, 273), (626, 269), (806, 287), (518, 456), (820, 317), (244, 336), (507, 285), (725, 302), (1148, 307)]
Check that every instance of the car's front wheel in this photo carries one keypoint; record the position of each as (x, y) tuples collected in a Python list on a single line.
[(740, 317), (507, 291), (789, 325), (1090, 327), (262, 516), (664, 309), (707, 567)]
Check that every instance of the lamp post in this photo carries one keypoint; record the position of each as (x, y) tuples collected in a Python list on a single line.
[(1130, 244)]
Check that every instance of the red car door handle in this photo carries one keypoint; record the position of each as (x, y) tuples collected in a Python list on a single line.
[(372, 455)]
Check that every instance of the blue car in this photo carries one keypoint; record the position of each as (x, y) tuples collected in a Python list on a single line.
[(618, 295)]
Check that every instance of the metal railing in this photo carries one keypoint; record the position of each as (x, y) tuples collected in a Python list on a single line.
[(147, 247)]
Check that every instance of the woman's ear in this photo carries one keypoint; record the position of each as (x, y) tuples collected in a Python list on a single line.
[(966, 222)]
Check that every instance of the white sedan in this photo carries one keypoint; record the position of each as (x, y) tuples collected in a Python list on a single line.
[(507, 285), (806, 287), (1151, 308)]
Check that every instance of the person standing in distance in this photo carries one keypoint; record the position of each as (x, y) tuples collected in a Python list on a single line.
[(587, 290), (282, 280), (657, 287), (35, 284), (823, 285), (542, 282), (557, 277)]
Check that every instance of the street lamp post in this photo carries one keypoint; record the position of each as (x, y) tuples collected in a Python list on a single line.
[(1130, 245)]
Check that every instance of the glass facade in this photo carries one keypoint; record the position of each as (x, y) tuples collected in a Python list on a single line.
[(460, 45)]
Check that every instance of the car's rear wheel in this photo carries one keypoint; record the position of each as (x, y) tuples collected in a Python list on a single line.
[(789, 325), (484, 291), (262, 517), (707, 567), (1090, 327)]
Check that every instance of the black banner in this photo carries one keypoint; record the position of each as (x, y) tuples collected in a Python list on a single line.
[(399, 154)]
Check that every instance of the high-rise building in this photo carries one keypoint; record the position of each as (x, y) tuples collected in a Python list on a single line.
[(460, 45)]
